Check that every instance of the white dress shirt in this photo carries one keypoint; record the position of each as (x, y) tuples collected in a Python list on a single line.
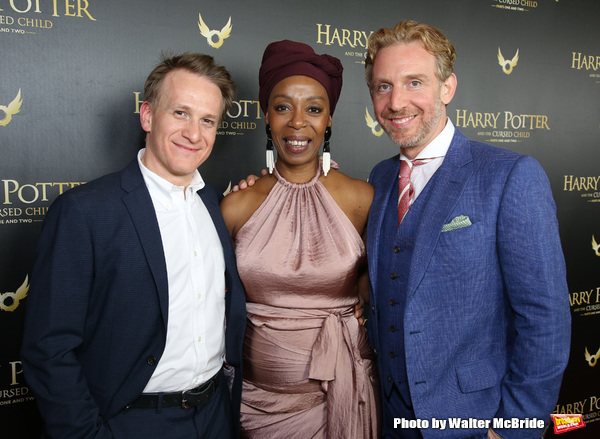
[(195, 346), (437, 148)]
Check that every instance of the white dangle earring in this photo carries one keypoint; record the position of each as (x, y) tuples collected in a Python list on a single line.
[(270, 156), (326, 152)]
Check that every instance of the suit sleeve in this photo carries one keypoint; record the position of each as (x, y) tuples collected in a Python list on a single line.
[(55, 322), (534, 274)]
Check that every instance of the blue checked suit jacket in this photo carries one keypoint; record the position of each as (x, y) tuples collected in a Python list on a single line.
[(96, 317), (487, 319)]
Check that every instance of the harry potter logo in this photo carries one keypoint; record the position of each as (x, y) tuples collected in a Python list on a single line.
[(10, 301), (591, 359), (595, 246), (209, 34), (507, 65), (373, 124), (13, 108)]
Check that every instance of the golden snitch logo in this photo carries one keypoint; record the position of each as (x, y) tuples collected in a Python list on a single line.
[(209, 34), (13, 108), (373, 124), (10, 301), (507, 65), (591, 359), (595, 246)]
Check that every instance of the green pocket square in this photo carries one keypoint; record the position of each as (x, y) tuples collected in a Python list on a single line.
[(457, 223)]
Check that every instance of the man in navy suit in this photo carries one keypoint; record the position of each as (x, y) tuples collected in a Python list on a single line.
[(136, 313), (470, 313)]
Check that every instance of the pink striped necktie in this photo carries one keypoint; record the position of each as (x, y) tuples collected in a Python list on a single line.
[(406, 189)]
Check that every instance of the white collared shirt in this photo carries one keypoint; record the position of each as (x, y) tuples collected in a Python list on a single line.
[(437, 148), (195, 346)]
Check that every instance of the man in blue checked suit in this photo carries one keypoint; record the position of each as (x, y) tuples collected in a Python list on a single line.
[(469, 304), (136, 314)]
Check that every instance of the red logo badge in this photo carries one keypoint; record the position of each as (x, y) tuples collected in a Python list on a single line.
[(564, 423)]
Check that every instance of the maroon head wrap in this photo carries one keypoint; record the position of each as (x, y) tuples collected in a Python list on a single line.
[(288, 58)]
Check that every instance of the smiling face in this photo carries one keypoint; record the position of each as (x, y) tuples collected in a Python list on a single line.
[(298, 113), (408, 98), (182, 126)]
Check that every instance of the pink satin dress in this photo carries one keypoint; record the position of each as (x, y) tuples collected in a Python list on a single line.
[(308, 367)]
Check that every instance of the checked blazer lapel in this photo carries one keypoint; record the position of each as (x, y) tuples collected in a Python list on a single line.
[(449, 183), (140, 207)]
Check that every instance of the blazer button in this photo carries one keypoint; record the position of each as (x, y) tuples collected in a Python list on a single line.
[(392, 302), (392, 355), (389, 378), (151, 361), (396, 249), (392, 328), (393, 276)]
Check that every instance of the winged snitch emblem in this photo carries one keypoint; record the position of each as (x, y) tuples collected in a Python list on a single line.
[(209, 34), (13, 108), (373, 124), (15, 298), (591, 359), (507, 65), (595, 246)]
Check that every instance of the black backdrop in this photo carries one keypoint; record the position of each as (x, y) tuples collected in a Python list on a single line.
[(72, 73)]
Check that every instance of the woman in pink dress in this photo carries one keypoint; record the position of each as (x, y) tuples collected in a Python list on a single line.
[(298, 232)]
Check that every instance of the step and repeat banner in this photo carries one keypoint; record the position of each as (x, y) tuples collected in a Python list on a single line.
[(71, 80)]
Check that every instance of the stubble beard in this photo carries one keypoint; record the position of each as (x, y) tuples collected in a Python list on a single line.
[(398, 135)]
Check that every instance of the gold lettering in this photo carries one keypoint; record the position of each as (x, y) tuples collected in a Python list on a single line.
[(44, 193), (70, 8), (471, 120), (336, 36), (460, 119), (576, 59), (84, 9), (357, 38), (346, 37), (67, 7), (321, 33), (246, 102), (138, 102), (8, 191)]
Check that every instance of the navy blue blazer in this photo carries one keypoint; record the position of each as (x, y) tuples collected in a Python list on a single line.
[(487, 318), (96, 316)]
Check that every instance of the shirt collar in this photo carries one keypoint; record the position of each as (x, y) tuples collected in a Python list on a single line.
[(161, 189), (439, 146)]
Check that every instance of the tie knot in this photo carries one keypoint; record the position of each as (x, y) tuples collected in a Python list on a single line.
[(418, 162), (406, 166)]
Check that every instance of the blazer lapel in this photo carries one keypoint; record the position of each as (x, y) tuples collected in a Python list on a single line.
[(390, 171), (448, 186), (140, 207)]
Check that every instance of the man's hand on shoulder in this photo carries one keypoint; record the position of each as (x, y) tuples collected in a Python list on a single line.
[(248, 182)]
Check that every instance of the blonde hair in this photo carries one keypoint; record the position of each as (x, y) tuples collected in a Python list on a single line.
[(433, 40), (202, 65)]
